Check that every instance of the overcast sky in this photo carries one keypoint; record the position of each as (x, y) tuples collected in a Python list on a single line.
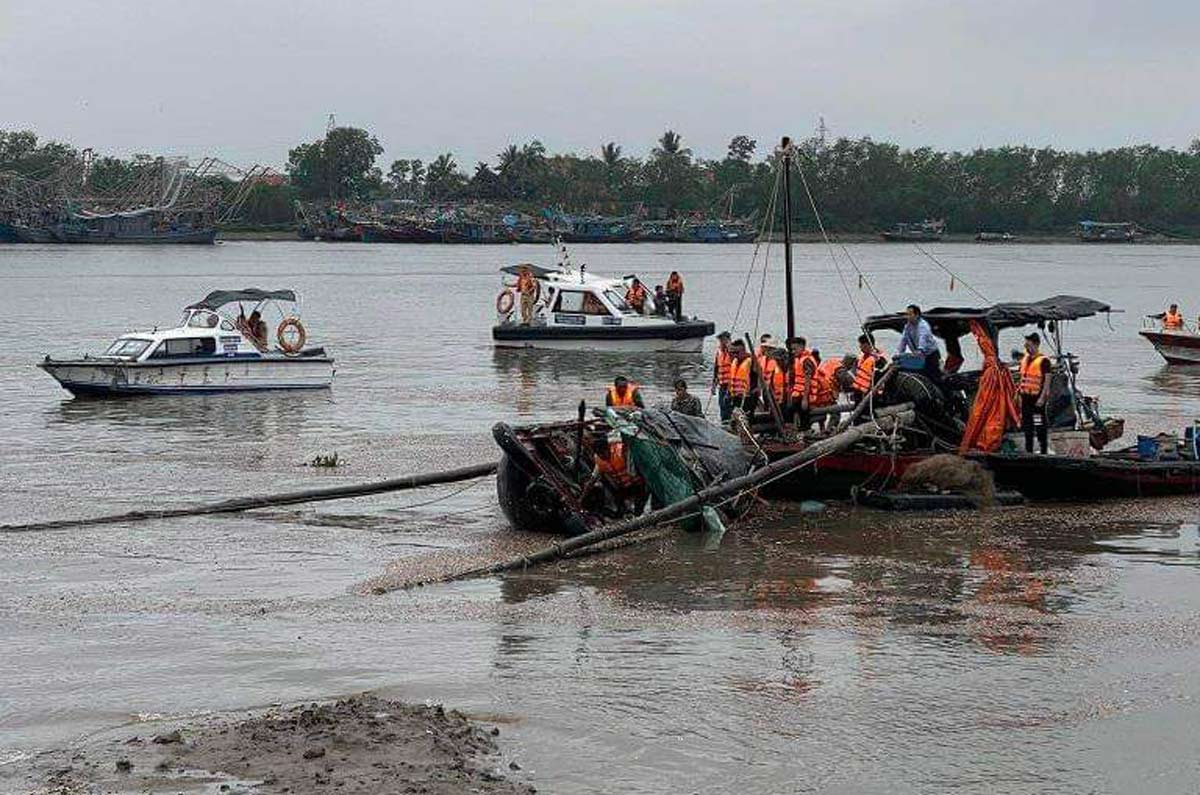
[(247, 80)]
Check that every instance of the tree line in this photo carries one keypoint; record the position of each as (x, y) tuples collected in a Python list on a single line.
[(858, 185)]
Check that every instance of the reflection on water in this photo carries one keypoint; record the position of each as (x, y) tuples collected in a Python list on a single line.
[(1027, 650)]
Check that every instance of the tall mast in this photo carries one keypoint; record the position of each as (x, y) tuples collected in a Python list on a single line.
[(787, 150)]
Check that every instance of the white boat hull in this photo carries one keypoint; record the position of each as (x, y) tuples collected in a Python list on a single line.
[(694, 345), (98, 377)]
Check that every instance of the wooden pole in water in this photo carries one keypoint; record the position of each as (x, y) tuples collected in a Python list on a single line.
[(891, 416), (788, 151)]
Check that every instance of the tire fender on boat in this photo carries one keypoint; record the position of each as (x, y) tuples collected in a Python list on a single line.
[(291, 346)]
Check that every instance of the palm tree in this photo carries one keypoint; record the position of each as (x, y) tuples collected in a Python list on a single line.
[(670, 145), (610, 153)]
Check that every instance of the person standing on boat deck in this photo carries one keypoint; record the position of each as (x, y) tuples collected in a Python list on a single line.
[(803, 369), (661, 301), (527, 290), (684, 402), (918, 338), (866, 370), (675, 295), (624, 395), (1035, 392), (257, 329), (1172, 319), (743, 380), (635, 296), (723, 376)]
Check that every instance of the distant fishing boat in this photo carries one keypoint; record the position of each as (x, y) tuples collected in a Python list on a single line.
[(1105, 232), (923, 232), (211, 350), (596, 230), (716, 231), (994, 237)]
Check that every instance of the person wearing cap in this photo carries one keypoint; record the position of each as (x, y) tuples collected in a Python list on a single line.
[(723, 376), (743, 381), (684, 402), (1034, 388), (623, 395)]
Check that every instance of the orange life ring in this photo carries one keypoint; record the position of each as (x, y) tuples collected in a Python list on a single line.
[(504, 302), (291, 346)]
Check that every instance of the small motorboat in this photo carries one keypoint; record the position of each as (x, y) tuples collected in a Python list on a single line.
[(211, 350), (1177, 346), (577, 310)]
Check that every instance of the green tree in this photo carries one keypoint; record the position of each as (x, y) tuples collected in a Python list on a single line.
[(338, 167), (443, 180)]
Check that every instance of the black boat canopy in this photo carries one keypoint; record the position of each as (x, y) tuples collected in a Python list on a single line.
[(948, 322), (218, 298), (537, 270)]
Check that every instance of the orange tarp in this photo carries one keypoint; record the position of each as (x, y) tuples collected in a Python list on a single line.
[(995, 407)]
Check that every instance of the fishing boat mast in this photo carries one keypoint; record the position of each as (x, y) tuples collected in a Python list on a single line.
[(786, 151)]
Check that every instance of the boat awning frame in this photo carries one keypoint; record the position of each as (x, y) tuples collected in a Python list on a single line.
[(219, 298), (953, 322)]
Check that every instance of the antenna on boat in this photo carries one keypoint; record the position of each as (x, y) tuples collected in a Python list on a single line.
[(786, 152)]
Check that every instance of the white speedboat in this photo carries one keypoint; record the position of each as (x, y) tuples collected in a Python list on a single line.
[(211, 350), (576, 310)]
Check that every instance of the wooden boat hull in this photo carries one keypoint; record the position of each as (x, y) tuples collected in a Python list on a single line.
[(1052, 477), (1177, 347), (837, 476)]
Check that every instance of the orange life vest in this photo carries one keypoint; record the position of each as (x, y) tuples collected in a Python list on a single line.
[(803, 360), (1172, 321), (774, 377), (636, 296), (622, 401), (615, 467), (723, 365), (1032, 376), (864, 374), (675, 285), (739, 380), (823, 390), (526, 284)]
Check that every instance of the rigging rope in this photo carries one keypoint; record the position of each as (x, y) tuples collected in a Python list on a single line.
[(836, 267), (862, 277), (953, 276)]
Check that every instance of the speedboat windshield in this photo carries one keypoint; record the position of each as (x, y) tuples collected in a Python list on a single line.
[(617, 300), (131, 348)]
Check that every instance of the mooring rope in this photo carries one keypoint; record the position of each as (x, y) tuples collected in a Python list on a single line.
[(238, 504)]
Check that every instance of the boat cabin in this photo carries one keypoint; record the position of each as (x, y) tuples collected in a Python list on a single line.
[(206, 332), (577, 298)]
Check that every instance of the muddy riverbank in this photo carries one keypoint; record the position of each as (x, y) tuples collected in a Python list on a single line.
[(362, 745)]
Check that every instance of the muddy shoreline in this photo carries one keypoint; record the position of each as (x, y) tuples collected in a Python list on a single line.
[(357, 745)]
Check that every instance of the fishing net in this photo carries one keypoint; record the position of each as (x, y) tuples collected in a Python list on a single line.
[(675, 454)]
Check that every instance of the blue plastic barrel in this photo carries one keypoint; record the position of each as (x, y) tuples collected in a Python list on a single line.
[(1147, 448)]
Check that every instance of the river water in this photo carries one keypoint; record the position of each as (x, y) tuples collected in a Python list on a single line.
[(1047, 649)]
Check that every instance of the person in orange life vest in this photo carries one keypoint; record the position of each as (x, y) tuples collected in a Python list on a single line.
[(635, 296), (1034, 388), (1172, 319), (743, 383), (628, 490), (775, 378), (867, 370), (527, 291), (722, 376), (800, 374), (826, 385), (623, 395), (675, 296)]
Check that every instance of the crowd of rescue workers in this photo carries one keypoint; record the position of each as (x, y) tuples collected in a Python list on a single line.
[(795, 381)]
